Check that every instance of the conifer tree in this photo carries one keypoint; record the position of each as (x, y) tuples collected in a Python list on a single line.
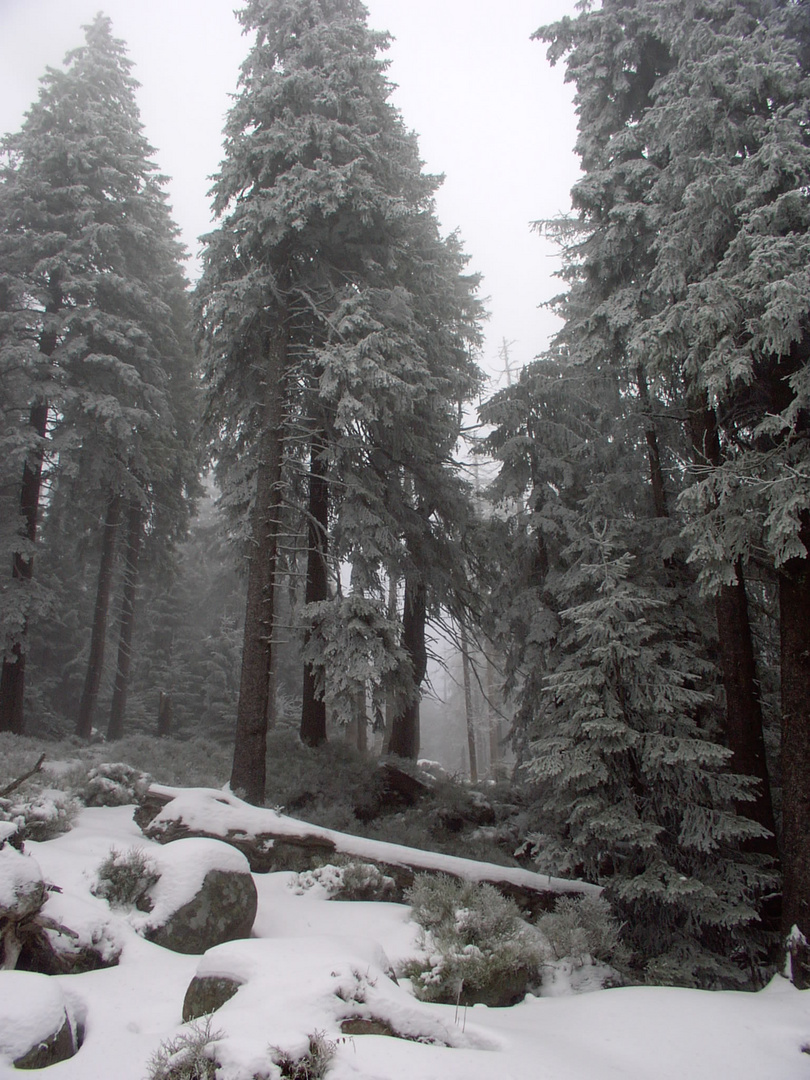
[(96, 324), (722, 309), (633, 793), (319, 279)]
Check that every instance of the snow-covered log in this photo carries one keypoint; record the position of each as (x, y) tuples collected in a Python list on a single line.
[(272, 842)]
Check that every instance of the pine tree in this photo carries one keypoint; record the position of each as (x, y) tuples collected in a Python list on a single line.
[(97, 318), (318, 282)]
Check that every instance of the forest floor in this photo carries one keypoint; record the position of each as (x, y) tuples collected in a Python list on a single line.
[(312, 957)]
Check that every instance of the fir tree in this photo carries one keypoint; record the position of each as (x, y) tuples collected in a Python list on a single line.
[(315, 310), (97, 319), (726, 296), (633, 793)]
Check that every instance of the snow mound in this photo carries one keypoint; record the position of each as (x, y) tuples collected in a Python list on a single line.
[(291, 988)]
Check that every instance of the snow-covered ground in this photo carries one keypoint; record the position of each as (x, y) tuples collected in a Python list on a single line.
[(309, 957)]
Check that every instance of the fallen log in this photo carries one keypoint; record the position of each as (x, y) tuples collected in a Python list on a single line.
[(273, 842)]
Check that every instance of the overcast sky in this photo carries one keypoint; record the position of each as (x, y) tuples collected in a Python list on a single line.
[(490, 113)]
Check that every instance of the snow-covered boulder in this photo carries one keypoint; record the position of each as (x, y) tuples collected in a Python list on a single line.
[(36, 1026), (205, 896)]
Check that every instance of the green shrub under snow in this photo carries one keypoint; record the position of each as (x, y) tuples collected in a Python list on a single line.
[(348, 879), (124, 879), (114, 784), (583, 927), (189, 1056), (39, 814), (310, 1066), (475, 944), (584, 938)]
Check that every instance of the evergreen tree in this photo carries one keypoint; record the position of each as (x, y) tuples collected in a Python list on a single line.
[(707, 104), (315, 311), (97, 318), (633, 793)]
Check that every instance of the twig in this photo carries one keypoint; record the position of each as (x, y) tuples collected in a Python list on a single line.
[(21, 780)]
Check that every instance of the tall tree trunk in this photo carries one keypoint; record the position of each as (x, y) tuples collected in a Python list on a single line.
[(660, 508), (12, 680), (743, 704), (468, 703), (115, 728), (389, 701), (98, 634), (405, 726), (493, 721), (248, 773), (794, 633), (313, 705)]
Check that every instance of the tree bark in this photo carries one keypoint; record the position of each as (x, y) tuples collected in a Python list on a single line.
[(248, 773), (12, 680), (389, 701), (743, 707), (660, 508), (468, 704), (405, 727), (493, 722), (115, 728), (98, 634), (794, 633), (164, 724), (743, 704), (313, 705)]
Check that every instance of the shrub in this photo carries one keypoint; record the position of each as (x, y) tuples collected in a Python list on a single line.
[(348, 879), (583, 926), (125, 878), (476, 945), (42, 816), (114, 784), (188, 1056), (312, 1065), (584, 937)]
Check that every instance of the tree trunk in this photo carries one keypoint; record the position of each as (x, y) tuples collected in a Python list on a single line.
[(405, 726), (794, 633), (493, 722), (743, 705), (164, 724), (313, 705), (468, 704), (12, 680), (659, 494), (115, 728), (389, 701), (248, 773), (98, 634)]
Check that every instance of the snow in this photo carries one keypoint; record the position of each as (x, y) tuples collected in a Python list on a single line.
[(32, 1009), (313, 962)]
